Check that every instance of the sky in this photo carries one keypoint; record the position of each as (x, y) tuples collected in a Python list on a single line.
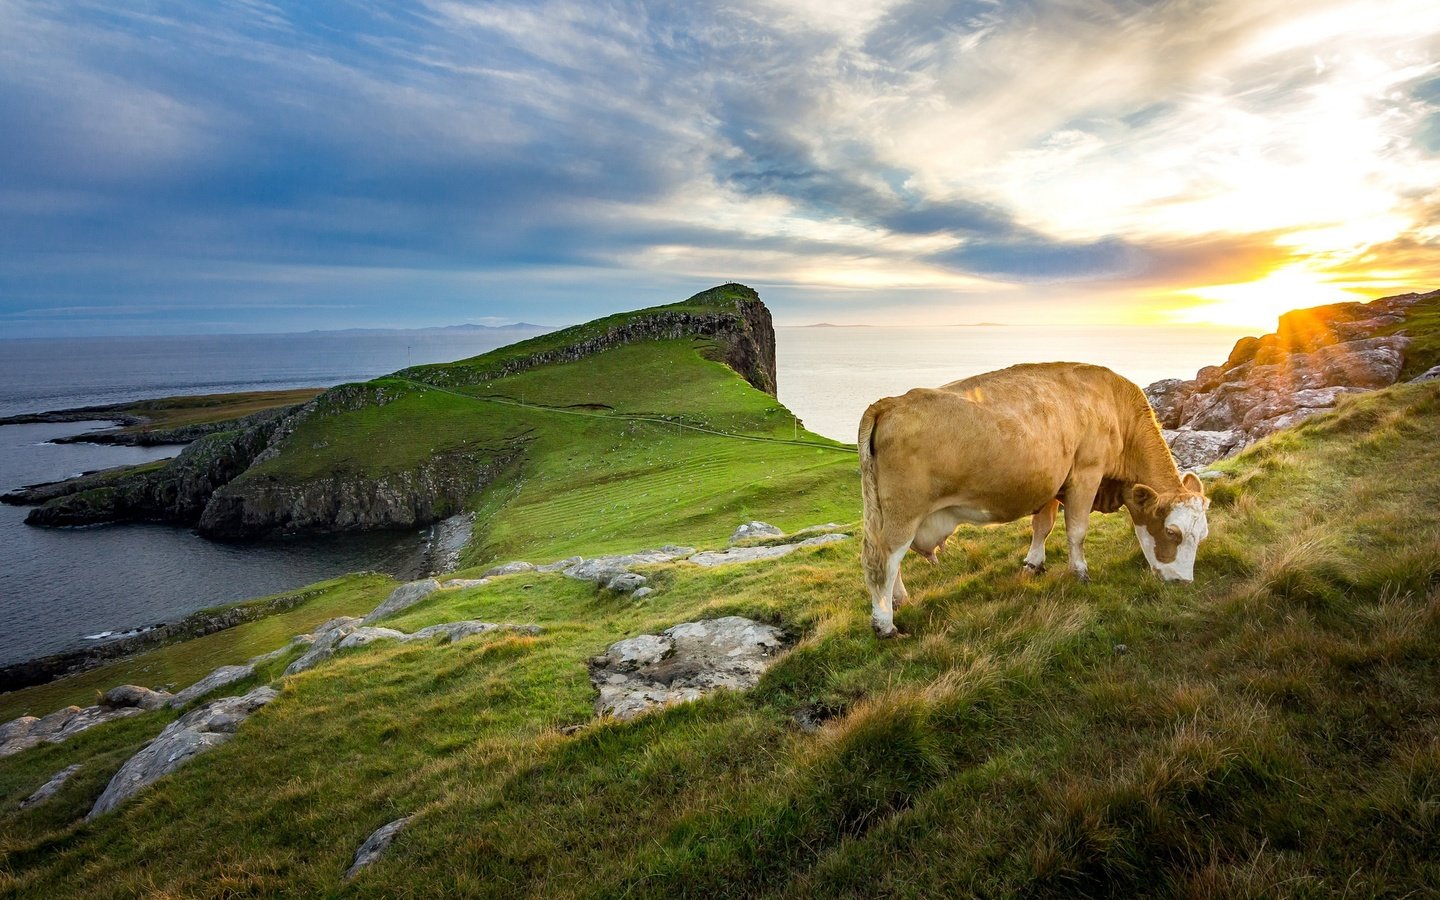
[(241, 166)]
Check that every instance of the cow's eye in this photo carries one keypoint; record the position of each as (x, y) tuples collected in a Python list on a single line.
[(1173, 531)]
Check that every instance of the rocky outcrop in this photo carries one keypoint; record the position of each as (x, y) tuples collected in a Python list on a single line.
[(261, 505), (50, 788), (1315, 358), (375, 846), (182, 434), (753, 530), (191, 734), (28, 731), (128, 695), (323, 642), (711, 558), (602, 570), (219, 678), (683, 663), (403, 597)]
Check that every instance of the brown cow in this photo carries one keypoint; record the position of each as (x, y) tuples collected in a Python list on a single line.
[(1020, 442)]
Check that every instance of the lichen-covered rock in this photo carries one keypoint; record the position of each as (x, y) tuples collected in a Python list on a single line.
[(751, 530), (375, 846), (626, 583), (560, 564), (711, 558), (601, 569), (126, 695), (28, 731), (323, 645), (193, 733), (404, 597), (682, 663), (221, 677), (50, 788), (510, 568), (367, 635)]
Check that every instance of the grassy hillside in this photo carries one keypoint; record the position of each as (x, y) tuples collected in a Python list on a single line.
[(1272, 730)]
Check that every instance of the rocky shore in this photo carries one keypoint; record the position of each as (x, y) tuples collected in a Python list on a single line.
[(1315, 358)]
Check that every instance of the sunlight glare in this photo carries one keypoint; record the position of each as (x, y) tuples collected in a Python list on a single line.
[(1260, 303)]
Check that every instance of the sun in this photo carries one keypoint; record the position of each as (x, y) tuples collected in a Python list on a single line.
[(1260, 303)]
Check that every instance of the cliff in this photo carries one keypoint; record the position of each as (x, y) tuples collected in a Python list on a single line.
[(407, 450), (1315, 358)]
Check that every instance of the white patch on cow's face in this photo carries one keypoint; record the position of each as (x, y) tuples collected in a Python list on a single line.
[(1188, 519)]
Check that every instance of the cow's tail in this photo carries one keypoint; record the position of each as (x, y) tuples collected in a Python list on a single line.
[(873, 549)]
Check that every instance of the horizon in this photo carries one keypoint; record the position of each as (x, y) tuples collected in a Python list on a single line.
[(251, 170)]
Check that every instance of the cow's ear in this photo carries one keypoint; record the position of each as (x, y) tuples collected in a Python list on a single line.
[(1191, 482), (1144, 496)]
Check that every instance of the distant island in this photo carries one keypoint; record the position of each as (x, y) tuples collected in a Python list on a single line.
[(832, 325), (466, 328)]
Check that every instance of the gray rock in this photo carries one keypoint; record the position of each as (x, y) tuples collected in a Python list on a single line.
[(751, 530), (463, 583), (375, 846), (50, 788), (510, 568), (682, 663), (367, 635), (323, 645), (221, 677), (193, 733), (447, 539), (561, 564), (28, 731), (457, 630), (128, 695), (297, 641), (1192, 449), (403, 597), (711, 558), (626, 583), (602, 569), (88, 718), (641, 593), (1428, 375)]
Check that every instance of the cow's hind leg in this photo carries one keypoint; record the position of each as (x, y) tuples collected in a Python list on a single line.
[(1040, 525), (882, 570), (1079, 499)]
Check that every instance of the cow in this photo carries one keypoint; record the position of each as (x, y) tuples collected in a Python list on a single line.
[(1022, 441)]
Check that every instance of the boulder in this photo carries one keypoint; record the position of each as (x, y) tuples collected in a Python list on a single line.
[(683, 663), (375, 846), (128, 695), (1168, 398), (454, 631), (28, 731), (510, 568), (1429, 374), (322, 647), (602, 569), (560, 564), (367, 635), (191, 734), (404, 597), (711, 558), (1193, 449), (50, 788), (752, 530), (626, 583), (221, 677), (350, 636), (641, 593)]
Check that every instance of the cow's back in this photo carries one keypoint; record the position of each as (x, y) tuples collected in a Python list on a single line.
[(1004, 441)]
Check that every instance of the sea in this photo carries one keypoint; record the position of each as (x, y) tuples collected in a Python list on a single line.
[(65, 588)]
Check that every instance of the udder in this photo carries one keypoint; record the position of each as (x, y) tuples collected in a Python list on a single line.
[(936, 528)]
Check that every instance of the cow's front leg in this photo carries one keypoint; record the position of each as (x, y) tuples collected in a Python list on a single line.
[(1040, 525), (1079, 498), (900, 595)]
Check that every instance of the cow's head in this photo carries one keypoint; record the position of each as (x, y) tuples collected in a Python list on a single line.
[(1170, 526)]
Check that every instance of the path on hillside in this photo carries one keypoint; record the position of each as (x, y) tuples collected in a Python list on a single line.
[(657, 420)]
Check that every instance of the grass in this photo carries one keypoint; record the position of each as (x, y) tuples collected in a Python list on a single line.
[(1271, 730), (174, 412)]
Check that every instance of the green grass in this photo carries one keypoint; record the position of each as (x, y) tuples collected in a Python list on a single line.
[(1271, 730), (174, 412)]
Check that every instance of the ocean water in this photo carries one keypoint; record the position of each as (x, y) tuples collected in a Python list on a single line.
[(828, 375), (57, 586)]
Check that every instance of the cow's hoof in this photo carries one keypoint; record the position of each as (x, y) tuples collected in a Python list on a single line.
[(1032, 569), (1082, 577), (885, 635)]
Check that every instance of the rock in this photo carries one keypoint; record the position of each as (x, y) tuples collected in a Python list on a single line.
[(510, 568), (602, 569), (751, 530), (641, 593), (561, 564), (626, 583), (711, 558), (446, 541), (375, 846), (28, 731), (1428, 375), (682, 663), (323, 645), (404, 597), (297, 641), (50, 788), (127, 695), (367, 635), (193, 733), (457, 630), (221, 677), (1167, 398), (1193, 449), (465, 583)]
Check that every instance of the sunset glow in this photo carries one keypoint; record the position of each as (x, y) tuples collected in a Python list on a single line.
[(1071, 161)]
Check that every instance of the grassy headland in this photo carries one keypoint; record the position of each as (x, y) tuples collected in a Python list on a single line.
[(1271, 730)]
